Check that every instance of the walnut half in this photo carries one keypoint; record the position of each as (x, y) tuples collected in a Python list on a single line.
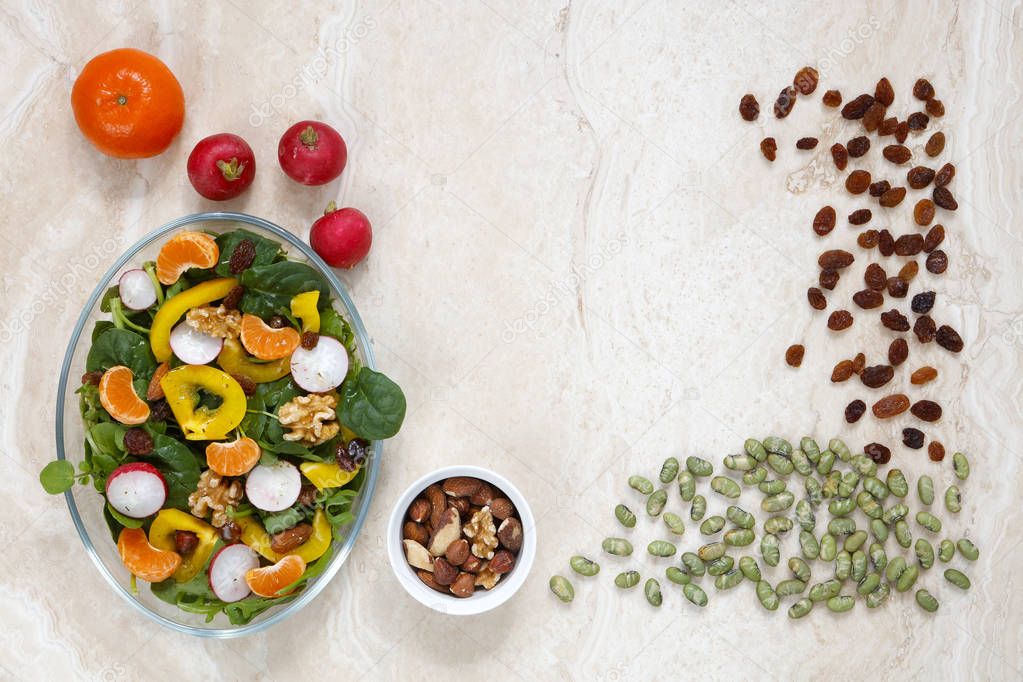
[(214, 495), (482, 533), (310, 419)]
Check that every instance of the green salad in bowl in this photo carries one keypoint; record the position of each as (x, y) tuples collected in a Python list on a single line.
[(224, 424)]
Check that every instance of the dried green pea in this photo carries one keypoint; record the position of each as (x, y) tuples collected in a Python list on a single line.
[(841, 506), (878, 557), (925, 489), (617, 546), (968, 549), (879, 529), (801, 463), (711, 551), (778, 446), (907, 578), (928, 521), (769, 549), (805, 517), (826, 463), (800, 608), (698, 466), (878, 596), (584, 566), (946, 550), (755, 449), (771, 487), (695, 594), (868, 505), (749, 567), (677, 575), (655, 503), (739, 537), (876, 487), (694, 564), (850, 481), (859, 565), (843, 565), (903, 536), (661, 548), (755, 476), (727, 581), (778, 525), (825, 590), (863, 465), (897, 484), (841, 603), (780, 464), (961, 466), (926, 601), (641, 484), (740, 517), (669, 470), (814, 494), (789, 587), (832, 482), (698, 508), (894, 513), (953, 499), (725, 486), (739, 462), (896, 566), (800, 569), (627, 579), (652, 591), (777, 502), (722, 564), (868, 584), (767, 596), (808, 545), (829, 547), (561, 588), (924, 553), (842, 526), (686, 485), (957, 578), (810, 448), (674, 523), (625, 516), (855, 540)]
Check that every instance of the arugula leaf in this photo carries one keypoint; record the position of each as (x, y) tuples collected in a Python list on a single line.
[(121, 347), (270, 288), (275, 522), (337, 504), (372, 405), (179, 466), (267, 250), (58, 476)]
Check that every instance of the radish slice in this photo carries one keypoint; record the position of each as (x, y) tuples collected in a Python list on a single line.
[(227, 572), (194, 347), (273, 487), (322, 368), (136, 290), (136, 490)]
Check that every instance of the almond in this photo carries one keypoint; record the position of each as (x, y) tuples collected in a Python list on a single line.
[(461, 486), (413, 531), (502, 562), (419, 510), (464, 585), (448, 530), (443, 572), (483, 496), (459, 503), (428, 580), (438, 503), (501, 508), (457, 552), (509, 534)]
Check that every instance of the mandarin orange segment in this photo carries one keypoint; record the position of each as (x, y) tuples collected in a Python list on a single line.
[(185, 250), (265, 342), (269, 580), (118, 397), (142, 559), (235, 458)]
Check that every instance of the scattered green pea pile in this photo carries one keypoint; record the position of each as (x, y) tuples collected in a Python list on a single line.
[(846, 566)]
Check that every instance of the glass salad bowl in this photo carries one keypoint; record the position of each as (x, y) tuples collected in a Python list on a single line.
[(87, 505)]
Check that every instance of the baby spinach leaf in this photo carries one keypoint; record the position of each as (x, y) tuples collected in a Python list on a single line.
[(121, 347), (179, 466), (288, 447), (270, 288), (372, 405), (126, 521), (276, 393), (108, 438), (254, 422), (58, 476), (267, 250), (100, 327)]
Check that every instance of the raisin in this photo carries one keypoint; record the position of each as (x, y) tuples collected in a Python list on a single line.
[(839, 320), (874, 277), (949, 339), (918, 120), (816, 298), (806, 80), (923, 90), (839, 155), (937, 262), (909, 244), (824, 221), (309, 340), (860, 216), (858, 363), (944, 175), (350, 455), (926, 410), (936, 451), (230, 532), (884, 92), (233, 298), (885, 243), (935, 107), (924, 329), (858, 146), (856, 108), (923, 302), (868, 298), (878, 188), (879, 454), (877, 376), (898, 351), (913, 438), (855, 410), (842, 371), (873, 117), (908, 271), (891, 406), (867, 239), (832, 98), (897, 153), (935, 144), (893, 197), (794, 355), (934, 237), (829, 278), (185, 542), (749, 107), (857, 182), (247, 384), (786, 100), (888, 126), (901, 132), (160, 411), (944, 199), (242, 257), (92, 378), (806, 143), (897, 287), (835, 259), (923, 212), (277, 322), (919, 177), (138, 442), (895, 321), (769, 148), (923, 375)]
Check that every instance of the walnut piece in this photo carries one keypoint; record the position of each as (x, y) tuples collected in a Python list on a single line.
[(215, 321), (311, 419), (487, 577), (213, 495), (482, 534)]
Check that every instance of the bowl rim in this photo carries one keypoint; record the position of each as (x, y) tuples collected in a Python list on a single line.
[(480, 602), (366, 350)]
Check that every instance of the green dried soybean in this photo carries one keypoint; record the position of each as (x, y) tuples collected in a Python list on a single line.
[(879, 529), (826, 463), (711, 551), (832, 482), (777, 502), (843, 565), (810, 448), (739, 537), (669, 470), (863, 465), (829, 547), (769, 549), (778, 525), (698, 508), (894, 513), (800, 608), (780, 464), (778, 446), (722, 564), (859, 565), (903, 536), (698, 466), (808, 545), (953, 499), (584, 566), (695, 594), (814, 494), (961, 466), (694, 564), (767, 596), (655, 503), (878, 557), (841, 526), (755, 449), (641, 484), (800, 569), (968, 549), (677, 575), (627, 579), (957, 578), (617, 546), (878, 596), (787, 588), (739, 462), (652, 590), (907, 578), (895, 568), (855, 541), (926, 601), (755, 476), (928, 521), (740, 517), (686, 485), (924, 553), (850, 481), (801, 463), (727, 581), (841, 506), (946, 550), (674, 523), (661, 548), (841, 603), (925, 489), (771, 487), (749, 567), (839, 448), (725, 486), (897, 484), (562, 588), (805, 517), (825, 590), (625, 516), (868, 584), (876, 487)]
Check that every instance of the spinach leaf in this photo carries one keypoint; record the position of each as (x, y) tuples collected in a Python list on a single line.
[(290, 448), (121, 347), (267, 250), (372, 405), (179, 466), (100, 327), (108, 438), (126, 521), (270, 288), (254, 423), (276, 393)]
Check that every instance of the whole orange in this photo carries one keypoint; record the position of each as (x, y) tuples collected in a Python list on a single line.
[(128, 104)]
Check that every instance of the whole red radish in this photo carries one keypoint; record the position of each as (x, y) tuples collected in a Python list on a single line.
[(221, 166), (342, 237), (312, 153)]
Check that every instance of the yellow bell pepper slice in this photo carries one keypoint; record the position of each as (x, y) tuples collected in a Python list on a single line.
[(172, 310), (303, 306), (181, 386), (161, 536), (234, 360), (256, 537), (326, 474)]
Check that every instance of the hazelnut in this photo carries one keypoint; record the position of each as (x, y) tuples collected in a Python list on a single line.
[(457, 552), (501, 508), (472, 564), (483, 496), (443, 572), (419, 510), (509, 534), (413, 531), (464, 585), (461, 486), (502, 562)]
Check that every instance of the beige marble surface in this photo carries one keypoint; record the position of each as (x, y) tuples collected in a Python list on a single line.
[(581, 265)]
